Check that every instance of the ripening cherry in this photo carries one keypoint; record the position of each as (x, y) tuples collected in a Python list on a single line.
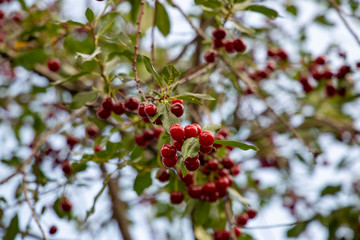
[(212, 165), (192, 165), (239, 45), (218, 43), (242, 219), (177, 101), (97, 148), (176, 197), (157, 131), (320, 60), (92, 130), (162, 175), (251, 213), (282, 55), (140, 141), (219, 33), (177, 109), (330, 90), (53, 65), (235, 170), (103, 114), (229, 46), (188, 179), (210, 56), (191, 131), (72, 141), (66, 168), (131, 103), (141, 110), (205, 150), (177, 132), (150, 110), (148, 134), (227, 163), (119, 108), (222, 183), (107, 104), (168, 151), (194, 191), (206, 138), (53, 230), (170, 162), (237, 231), (65, 205), (192, 159), (2, 14), (178, 144)]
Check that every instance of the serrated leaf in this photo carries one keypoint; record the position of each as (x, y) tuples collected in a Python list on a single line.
[(270, 13), (201, 212), (170, 73), (162, 19), (90, 16), (71, 78), (241, 145), (13, 229), (150, 68), (244, 29), (142, 181), (80, 99), (212, 128), (331, 190), (190, 148), (196, 95)]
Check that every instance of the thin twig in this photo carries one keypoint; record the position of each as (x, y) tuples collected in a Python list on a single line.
[(8, 178), (194, 75), (137, 48), (347, 25), (273, 226), (254, 89), (153, 33), (229, 217), (32, 207), (199, 31)]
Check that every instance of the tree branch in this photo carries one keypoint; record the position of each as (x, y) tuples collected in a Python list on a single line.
[(229, 218)]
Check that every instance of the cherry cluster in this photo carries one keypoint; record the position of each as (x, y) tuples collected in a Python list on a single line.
[(219, 34), (319, 70)]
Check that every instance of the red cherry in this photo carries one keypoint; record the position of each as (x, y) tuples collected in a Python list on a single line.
[(145, 120), (219, 33), (224, 235), (92, 130), (53, 230), (206, 138), (237, 231), (212, 165), (218, 137), (191, 131), (271, 52), (103, 114), (209, 188), (150, 110), (210, 56), (189, 159), (148, 135), (229, 46), (17, 17), (262, 74), (178, 144), (170, 162), (224, 172), (239, 45), (330, 90), (66, 168), (162, 175), (177, 109), (327, 74), (205, 150), (342, 92), (177, 101), (343, 71), (54, 65), (282, 55), (140, 141), (358, 64), (119, 108), (97, 148), (251, 213), (157, 132), (194, 191), (192, 166), (177, 132), (218, 43), (224, 132), (158, 121), (320, 60), (72, 141), (198, 127), (107, 104), (168, 151), (235, 170), (242, 219), (227, 163), (222, 183), (65, 205), (2, 14), (132, 103), (188, 179), (176, 197), (141, 110)]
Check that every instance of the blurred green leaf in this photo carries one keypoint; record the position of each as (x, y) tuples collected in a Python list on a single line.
[(13, 229), (270, 13), (150, 68), (162, 20), (190, 148), (241, 145), (142, 181), (170, 73), (90, 16), (330, 190), (80, 99)]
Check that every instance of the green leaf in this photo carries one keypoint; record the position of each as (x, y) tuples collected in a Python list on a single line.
[(297, 229), (162, 20), (168, 118), (241, 6), (201, 213), (90, 16), (196, 95), (142, 181), (112, 148), (270, 13), (184, 171), (244, 29), (28, 59), (324, 21), (150, 68), (80, 99), (209, 3), (190, 99), (70, 22), (13, 229), (190, 148), (240, 145), (212, 128), (170, 73), (71, 78), (161, 108), (331, 190), (292, 9)]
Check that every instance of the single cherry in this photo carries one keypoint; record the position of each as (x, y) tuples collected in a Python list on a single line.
[(119, 108), (176, 197), (150, 110), (53, 65), (177, 109), (219, 33), (206, 138), (168, 151), (170, 162), (132, 103), (239, 45), (210, 56), (191, 131), (177, 132), (53, 230), (162, 175)]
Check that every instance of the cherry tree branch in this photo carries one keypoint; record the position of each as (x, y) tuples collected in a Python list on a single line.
[(347, 25), (137, 48), (230, 220)]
